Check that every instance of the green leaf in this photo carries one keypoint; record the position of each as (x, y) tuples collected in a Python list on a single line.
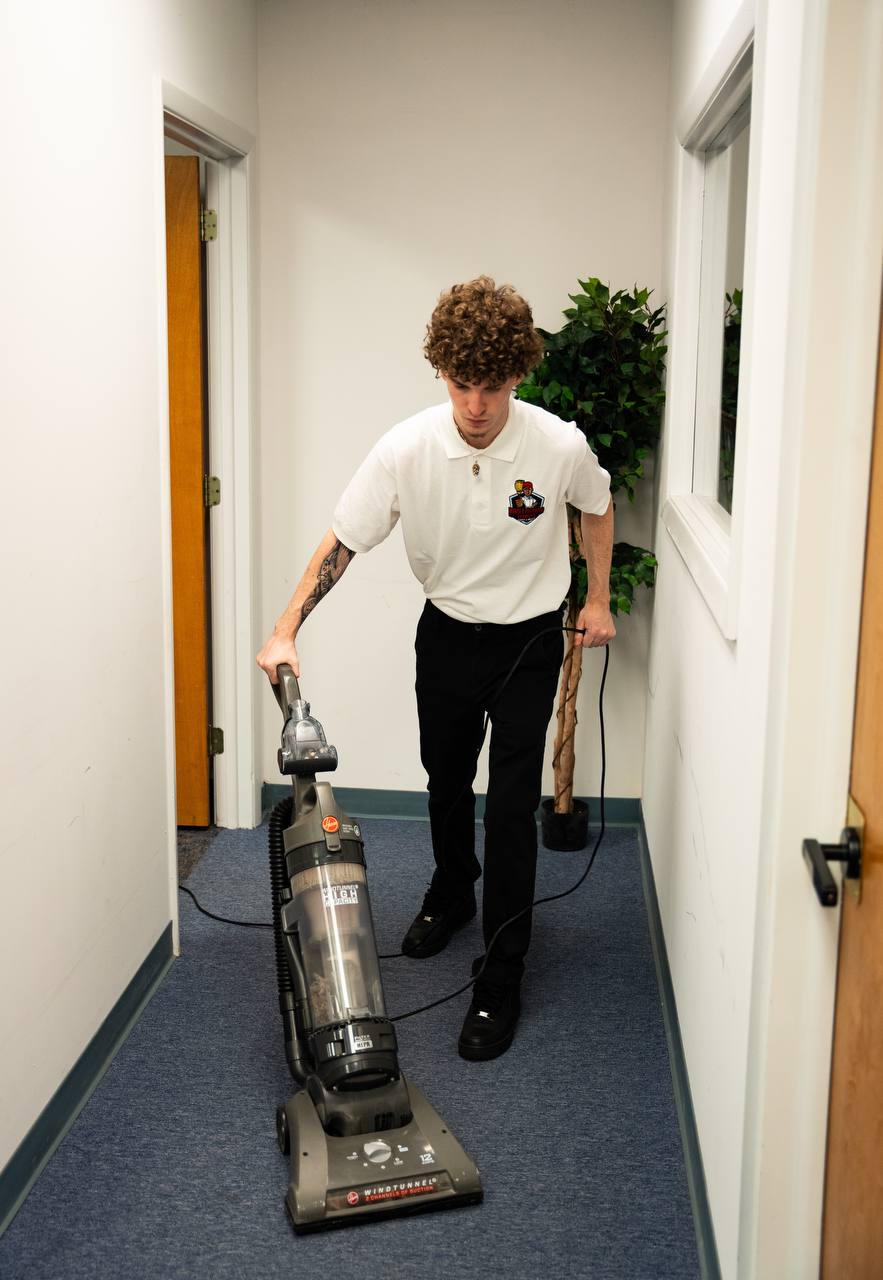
[(605, 366)]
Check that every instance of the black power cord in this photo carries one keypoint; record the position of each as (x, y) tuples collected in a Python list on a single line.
[(258, 924), (395, 955), (552, 897), (243, 924)]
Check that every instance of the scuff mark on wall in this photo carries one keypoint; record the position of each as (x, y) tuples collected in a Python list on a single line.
[(702, 848)]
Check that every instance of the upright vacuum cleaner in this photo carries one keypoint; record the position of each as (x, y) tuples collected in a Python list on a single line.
[(364, 1142)]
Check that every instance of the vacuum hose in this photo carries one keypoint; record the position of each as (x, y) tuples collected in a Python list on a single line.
[(280, 818)]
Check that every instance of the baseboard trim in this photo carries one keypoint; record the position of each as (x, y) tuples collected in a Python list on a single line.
[(368, 802), (29, 1160), (709, 1264)]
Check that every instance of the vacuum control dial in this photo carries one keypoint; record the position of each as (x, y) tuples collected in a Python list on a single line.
[(377, 1152)]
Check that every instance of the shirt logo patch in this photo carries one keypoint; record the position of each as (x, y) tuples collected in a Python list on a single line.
[(524, 504)]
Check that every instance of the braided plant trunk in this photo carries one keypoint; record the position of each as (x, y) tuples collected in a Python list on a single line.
[(563, 755)]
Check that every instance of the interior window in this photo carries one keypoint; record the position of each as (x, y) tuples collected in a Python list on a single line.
[(723, 262)]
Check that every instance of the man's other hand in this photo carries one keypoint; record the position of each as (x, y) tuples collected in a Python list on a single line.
[(279, 649), (596, 621)]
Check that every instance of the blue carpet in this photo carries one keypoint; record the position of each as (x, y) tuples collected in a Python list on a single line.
[(172, 1168)]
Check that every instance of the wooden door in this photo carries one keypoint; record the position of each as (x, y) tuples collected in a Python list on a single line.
[(188, 468), (852, 1245)]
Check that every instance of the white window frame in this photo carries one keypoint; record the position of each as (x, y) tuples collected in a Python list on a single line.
[(707, 536)]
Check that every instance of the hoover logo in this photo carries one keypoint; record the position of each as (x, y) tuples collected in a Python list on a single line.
[(352, 1197), (524, 504), (330, 824)]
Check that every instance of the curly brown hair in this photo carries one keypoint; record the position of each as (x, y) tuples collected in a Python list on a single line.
[(482, 333)]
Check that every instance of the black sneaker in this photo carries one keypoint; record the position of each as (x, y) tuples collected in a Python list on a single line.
[(436, 923), (489, 1027)]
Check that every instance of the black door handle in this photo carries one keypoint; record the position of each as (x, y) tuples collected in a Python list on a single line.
[(818, 856)]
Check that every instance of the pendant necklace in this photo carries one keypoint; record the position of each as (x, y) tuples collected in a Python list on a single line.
[(475, 467)]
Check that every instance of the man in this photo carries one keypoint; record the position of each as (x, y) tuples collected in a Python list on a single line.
[(480, 484)]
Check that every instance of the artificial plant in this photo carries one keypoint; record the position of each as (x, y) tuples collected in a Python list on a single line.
[(604, 371)]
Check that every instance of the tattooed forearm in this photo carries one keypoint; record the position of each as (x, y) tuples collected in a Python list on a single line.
[(330, 569), (328, 562)]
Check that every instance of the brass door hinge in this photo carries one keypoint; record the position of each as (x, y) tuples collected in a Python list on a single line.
[(856, 819), (208, 224), (211, 490), (215, 741)]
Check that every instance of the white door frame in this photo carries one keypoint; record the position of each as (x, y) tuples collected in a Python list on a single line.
[(230, 322), (831, 346), (237, 794)]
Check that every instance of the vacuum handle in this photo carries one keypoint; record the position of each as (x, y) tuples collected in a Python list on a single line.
[(287, 691)]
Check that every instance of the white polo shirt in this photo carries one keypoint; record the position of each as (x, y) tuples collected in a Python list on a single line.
[(487, 547)]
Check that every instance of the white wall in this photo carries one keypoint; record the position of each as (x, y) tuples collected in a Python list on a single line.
[(84, 856), (405, 147), (704, 746), (746, 750)]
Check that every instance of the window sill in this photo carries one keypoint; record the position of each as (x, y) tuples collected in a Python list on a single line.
[(700, 529)]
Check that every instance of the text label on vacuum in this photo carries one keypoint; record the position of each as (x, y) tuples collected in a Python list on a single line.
[(340, 895), (391, 1191)]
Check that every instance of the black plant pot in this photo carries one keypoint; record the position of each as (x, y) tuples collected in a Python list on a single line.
[(566, 832)]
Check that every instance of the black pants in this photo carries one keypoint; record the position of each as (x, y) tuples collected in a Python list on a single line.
[(461, 668)]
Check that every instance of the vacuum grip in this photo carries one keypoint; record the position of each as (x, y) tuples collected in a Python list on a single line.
[(304, 749), (287, 691)]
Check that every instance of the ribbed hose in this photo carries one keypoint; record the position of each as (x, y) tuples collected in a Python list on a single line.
[(279, 820)]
